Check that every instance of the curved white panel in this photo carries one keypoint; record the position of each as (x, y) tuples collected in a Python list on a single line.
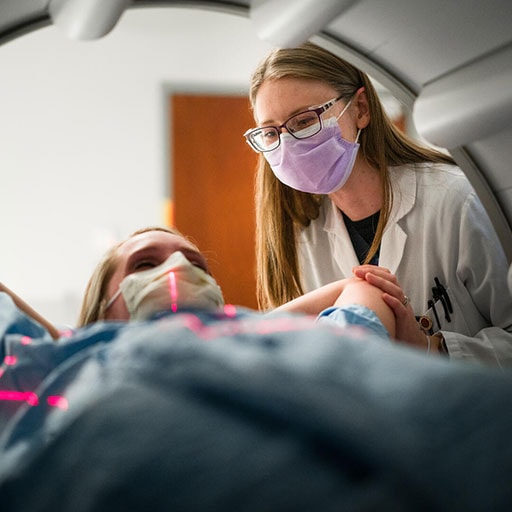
[(468, 104), (86, 19), (488, 198), (288, 23)]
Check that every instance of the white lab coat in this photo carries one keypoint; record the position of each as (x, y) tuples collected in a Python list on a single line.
[(437, 228)]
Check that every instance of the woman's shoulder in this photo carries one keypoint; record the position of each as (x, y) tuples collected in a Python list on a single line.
[(434, 178)]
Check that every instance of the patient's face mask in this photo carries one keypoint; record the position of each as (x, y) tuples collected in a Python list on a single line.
[(320, 164), (173, 285)]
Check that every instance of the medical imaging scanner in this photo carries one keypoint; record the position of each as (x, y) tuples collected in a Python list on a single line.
[(449, 62), (287, 417)]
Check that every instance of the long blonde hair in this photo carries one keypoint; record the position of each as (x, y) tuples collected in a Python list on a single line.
[(95, 299), (280, 210)]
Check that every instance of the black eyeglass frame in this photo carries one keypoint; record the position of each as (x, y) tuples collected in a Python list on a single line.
[(318, 110)]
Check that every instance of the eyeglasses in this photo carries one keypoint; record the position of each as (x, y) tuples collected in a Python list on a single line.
[(300, 126)]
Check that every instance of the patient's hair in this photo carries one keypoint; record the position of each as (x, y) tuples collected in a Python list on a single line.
[(95, 300)]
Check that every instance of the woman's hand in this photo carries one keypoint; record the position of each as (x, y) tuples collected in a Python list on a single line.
[(407, 327)]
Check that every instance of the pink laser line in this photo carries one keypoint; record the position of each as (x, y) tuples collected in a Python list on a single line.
[(173, 292), (10, 360), (20, 396), (270, 325), (58, 401), (32, 399), (230, 310)]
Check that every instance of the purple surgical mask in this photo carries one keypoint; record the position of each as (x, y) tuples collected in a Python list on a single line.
[(320, 164)]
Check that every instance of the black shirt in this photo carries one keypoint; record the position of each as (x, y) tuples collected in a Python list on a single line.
[(362, 232)]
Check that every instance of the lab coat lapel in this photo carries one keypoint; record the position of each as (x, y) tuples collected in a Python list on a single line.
[(403, 183), (339, 241)]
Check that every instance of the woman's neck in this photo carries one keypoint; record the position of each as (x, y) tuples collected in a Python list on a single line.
[(361, 196)]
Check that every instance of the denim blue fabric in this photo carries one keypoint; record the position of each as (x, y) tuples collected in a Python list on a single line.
[(250, 412), (354, 314)]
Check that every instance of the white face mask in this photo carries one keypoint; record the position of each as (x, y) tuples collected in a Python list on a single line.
[(172, 285)]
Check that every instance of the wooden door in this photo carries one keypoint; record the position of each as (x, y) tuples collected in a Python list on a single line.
[(212, 172)]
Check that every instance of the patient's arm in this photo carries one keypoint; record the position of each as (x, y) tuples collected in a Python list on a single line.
[(340, 293), (359, 291), (28, 310), (315, 301)]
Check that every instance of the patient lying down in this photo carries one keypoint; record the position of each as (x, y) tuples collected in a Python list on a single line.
[(159, 269), (154, 272), (195, 405)]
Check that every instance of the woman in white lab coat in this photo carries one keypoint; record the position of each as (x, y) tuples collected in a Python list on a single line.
[(338, 186)]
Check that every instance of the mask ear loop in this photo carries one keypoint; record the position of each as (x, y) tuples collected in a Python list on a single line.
[(359, 91), (113, 298), (345, 108)]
